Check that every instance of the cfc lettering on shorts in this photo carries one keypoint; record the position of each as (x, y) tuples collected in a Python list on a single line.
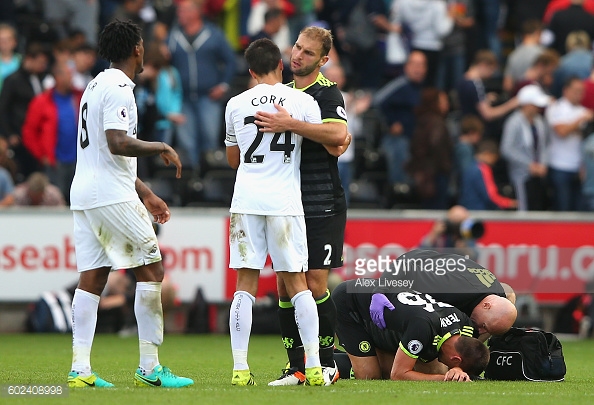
[(364, 346)]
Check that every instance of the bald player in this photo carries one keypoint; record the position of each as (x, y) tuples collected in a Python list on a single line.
[(455, 280)]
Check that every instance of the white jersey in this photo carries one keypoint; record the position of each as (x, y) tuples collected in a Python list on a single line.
[(101, 177), (268, 180)]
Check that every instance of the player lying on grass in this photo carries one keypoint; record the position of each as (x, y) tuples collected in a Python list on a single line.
[(418, 330), (455, 280)]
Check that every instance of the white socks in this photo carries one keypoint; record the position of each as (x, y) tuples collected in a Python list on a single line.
[(306, 316), (240, 327), (149, 317), (84, 321)]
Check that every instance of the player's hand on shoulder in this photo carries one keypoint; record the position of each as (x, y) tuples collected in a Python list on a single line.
[(169, 155), (456, 374), (157, 207), (274, 122)]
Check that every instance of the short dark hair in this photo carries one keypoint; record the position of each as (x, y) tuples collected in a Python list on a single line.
[(262, 56), (118, 39), (569, 81), (475, 355), (487, 145), (272, 13), (531, 26), (471, 123)]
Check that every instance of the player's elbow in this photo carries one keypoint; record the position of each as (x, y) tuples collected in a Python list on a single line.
[(233, 163), (340, 135), (398, 375)]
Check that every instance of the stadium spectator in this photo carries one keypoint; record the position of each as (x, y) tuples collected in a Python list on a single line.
[(258, 219), (9, 59), (257, 22), (6, 188), (573, 18), (472, 96), (274, 19), (557, 5), (429, 22), (478, 190), (524, 55), (576, 62), (356, 103), (524, 147), (430, 163), (206, 64), (106, 200), (168, 95), (587, 173), (37, 191), (471, 132), (445, 234), (541, 71), (452, 59), (141, 13), (17, 92), (84, 58), (567, 119), (588, 98), (409, 335), (50, 129), (396, 102)]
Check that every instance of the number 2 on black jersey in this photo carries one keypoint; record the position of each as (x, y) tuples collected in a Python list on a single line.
[(287, 146), (83, 132)]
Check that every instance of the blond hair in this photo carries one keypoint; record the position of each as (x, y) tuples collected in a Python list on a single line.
[(321, 35)]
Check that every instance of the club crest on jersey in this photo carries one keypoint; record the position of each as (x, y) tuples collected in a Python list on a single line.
[(341, 112), (414, 347), (123, 114)]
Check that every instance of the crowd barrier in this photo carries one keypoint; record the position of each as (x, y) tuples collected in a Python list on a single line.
[(548, 254)]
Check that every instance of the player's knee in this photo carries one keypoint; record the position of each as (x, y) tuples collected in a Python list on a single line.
[(317, 282)]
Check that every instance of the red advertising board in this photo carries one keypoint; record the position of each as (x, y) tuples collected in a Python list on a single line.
[(552, 260)]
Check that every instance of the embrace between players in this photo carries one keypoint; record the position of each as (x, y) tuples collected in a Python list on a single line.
[(415, 332)]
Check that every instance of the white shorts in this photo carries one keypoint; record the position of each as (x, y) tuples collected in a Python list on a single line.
[(120, 236), (253, 237)]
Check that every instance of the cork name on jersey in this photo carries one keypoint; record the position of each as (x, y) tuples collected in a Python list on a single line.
[(268, 100)]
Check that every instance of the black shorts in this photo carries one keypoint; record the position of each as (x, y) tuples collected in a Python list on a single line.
[(325, 239), (352, 336)]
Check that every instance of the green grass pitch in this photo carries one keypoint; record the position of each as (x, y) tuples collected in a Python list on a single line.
[(45, 359)]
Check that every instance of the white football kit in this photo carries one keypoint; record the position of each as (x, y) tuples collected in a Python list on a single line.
[(112, 226), (268, 180)]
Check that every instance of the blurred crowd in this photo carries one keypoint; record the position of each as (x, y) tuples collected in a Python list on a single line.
[(483, 103)]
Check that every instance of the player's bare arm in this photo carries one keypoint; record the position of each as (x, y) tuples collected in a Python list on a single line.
[(403, 369), (233, 156), (155, 205), (121, 144), (339, 150), (327, 133)]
